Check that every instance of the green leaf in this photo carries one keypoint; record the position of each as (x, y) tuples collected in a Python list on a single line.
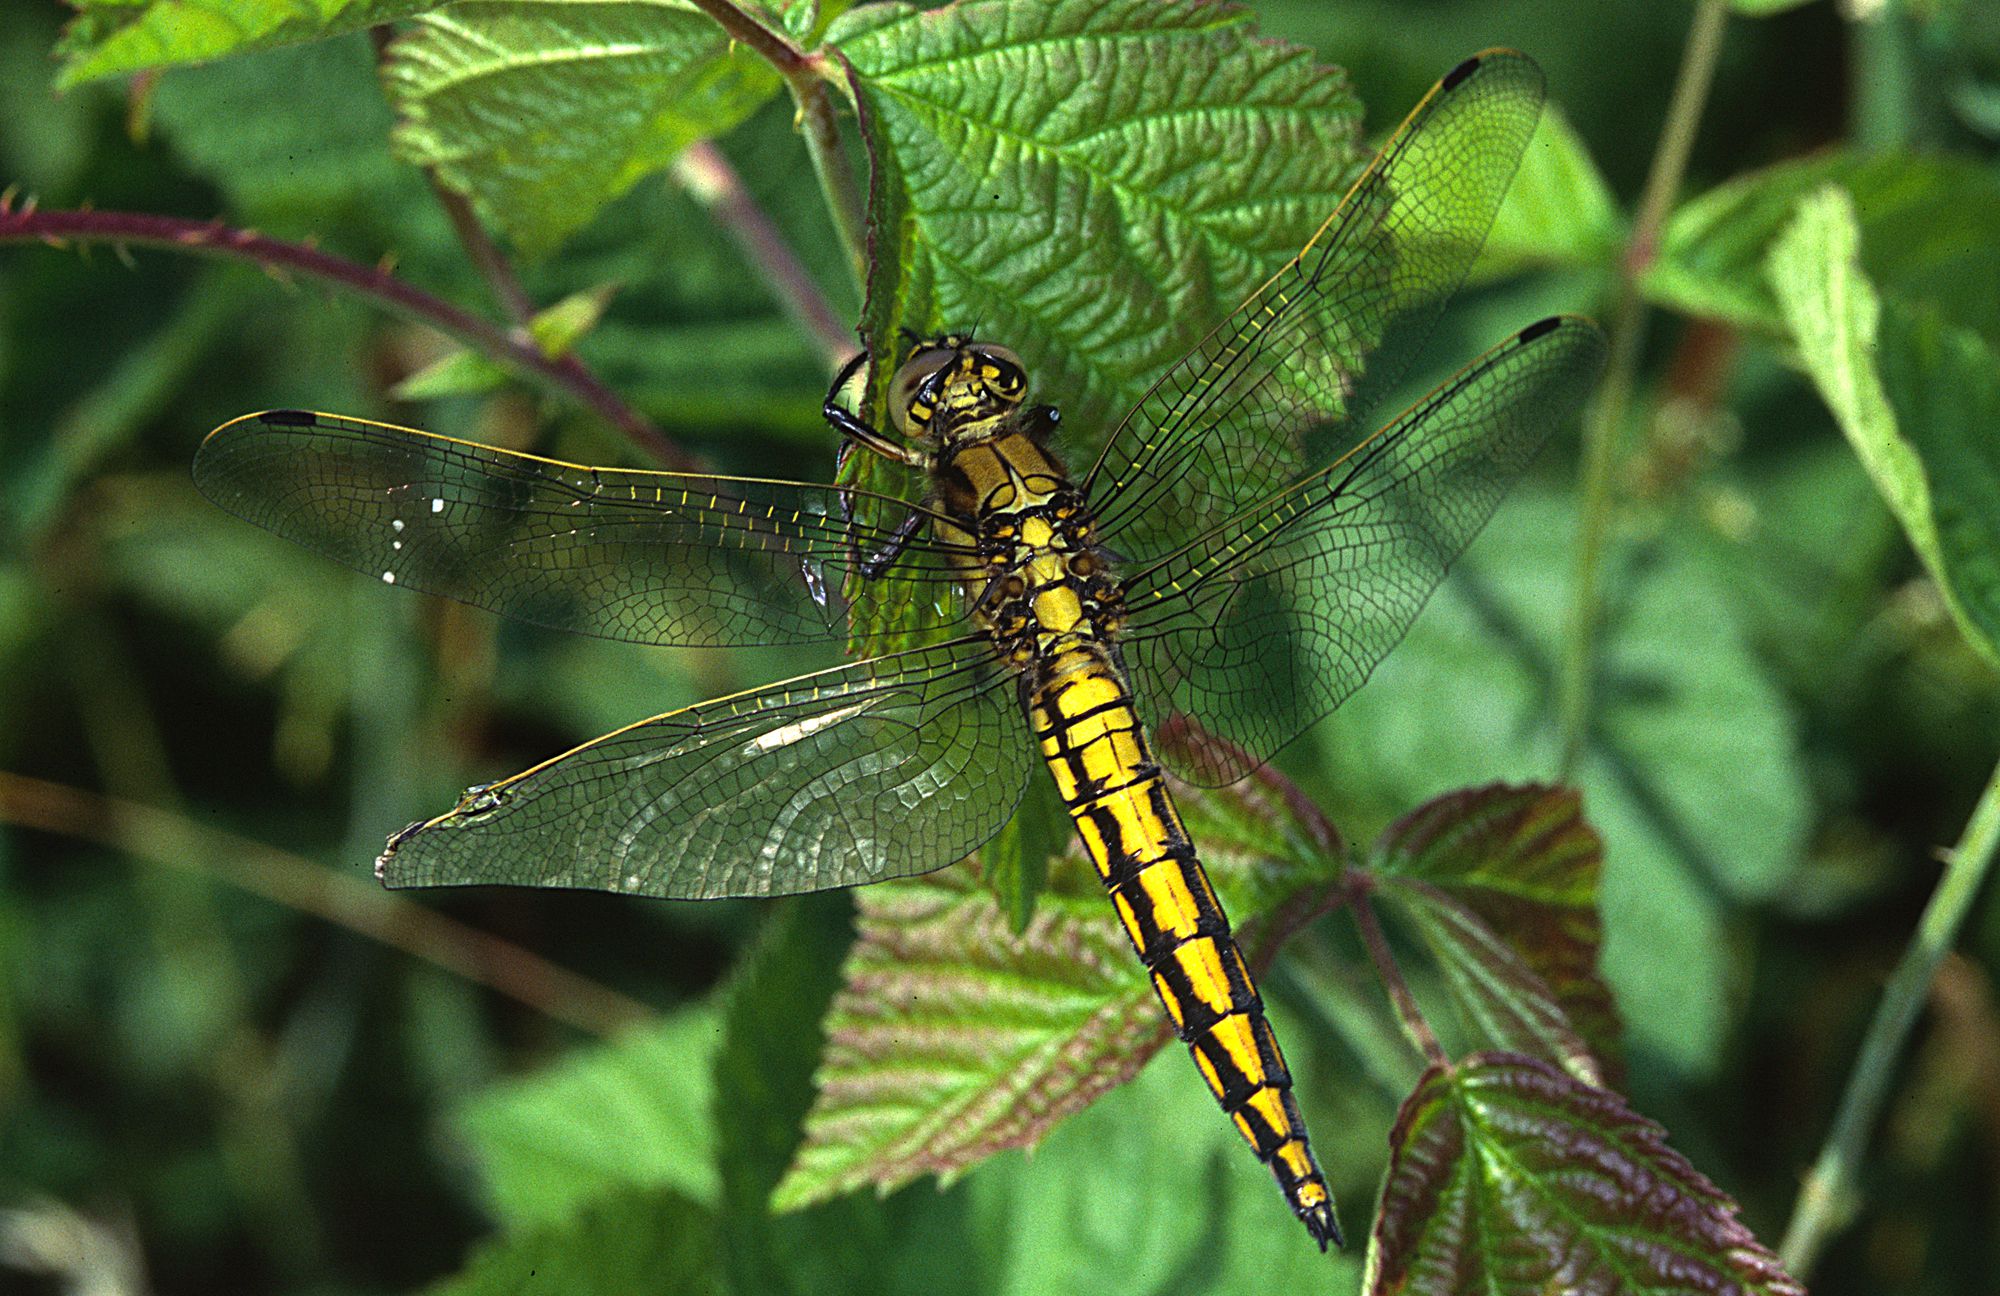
[(631, 1114), (462, 373), (632, 1241), (1094, 183), (1501, 882), (1765, 8), (1508, 1176), (1943, 382), (1928, 224), (804, 20), (953, 1039), (556, 330), (113, 36), (1945, 387), (1691, 771), (1559, 210), (1164, 147), (544, 111)]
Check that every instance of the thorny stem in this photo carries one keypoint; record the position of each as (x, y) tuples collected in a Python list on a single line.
[(1407, 1011), (707, 175), (212, 238), (1628, 334), (166, 838), (1827, 1201)]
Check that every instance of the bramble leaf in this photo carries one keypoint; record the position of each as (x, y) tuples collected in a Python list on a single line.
[(1501, 883), (1163, 146), (1093, 184), (951, 1039), (544, 111), (112, 36), (1508, 1176), (1915, 397)]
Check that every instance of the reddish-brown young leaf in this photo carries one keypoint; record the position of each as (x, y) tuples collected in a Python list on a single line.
[(1509, 1176), (952, 1037), (1502, 883)]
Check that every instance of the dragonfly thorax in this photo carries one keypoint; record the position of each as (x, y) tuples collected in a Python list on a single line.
[(952, 388), (1047, 584)]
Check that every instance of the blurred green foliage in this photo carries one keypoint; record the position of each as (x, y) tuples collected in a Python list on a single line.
[(216, 1092)]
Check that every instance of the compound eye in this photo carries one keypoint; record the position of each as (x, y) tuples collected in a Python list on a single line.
[(917, 370), (1002, 369)]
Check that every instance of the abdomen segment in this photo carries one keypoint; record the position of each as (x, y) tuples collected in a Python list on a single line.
[(1090, 736)]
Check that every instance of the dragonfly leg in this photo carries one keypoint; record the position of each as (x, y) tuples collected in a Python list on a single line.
[(855, 431), (878, 562)]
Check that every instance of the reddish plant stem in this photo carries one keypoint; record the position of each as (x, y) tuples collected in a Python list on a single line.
[(213, 238), (788, 58), (484, 253)]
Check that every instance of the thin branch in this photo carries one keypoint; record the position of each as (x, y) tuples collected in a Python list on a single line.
[(1407, 1011), (484, 253), (276, 256), (1628, 334), (836, 178), (775, 46), (707, 175), (1828, 1199), (166, 838), (808, 75)]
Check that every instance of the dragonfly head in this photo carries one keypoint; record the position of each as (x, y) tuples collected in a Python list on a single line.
[(951, 382)]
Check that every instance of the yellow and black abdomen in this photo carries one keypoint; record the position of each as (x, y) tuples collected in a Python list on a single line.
[(1046, 593), (1082, 714)]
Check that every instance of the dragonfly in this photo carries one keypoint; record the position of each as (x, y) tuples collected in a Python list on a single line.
[(1209, 564)]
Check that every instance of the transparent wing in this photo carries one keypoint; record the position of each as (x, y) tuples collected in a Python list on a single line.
[(878, 769), (654, 557), (1265, 623), (1228, 424)]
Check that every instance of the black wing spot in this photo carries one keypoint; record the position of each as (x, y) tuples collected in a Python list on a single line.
[(1541, 328), (288, 418), (1459, 73)]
